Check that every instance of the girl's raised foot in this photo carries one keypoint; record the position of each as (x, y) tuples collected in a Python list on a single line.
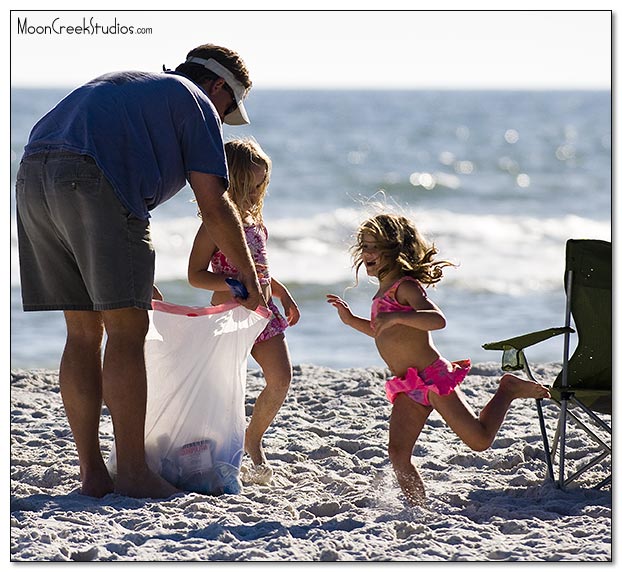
[(522, 388)]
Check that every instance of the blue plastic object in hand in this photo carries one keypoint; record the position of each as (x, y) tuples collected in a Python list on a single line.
[(237, 288)]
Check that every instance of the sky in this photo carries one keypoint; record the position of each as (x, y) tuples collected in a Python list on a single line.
[(468, 49)]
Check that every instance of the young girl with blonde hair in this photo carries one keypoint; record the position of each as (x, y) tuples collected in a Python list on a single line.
[(402, 319), (249, 173)]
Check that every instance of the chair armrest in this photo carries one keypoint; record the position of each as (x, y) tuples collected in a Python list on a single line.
[(526, 340)]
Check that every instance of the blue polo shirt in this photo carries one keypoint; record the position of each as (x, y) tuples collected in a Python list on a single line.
[(146, 132)]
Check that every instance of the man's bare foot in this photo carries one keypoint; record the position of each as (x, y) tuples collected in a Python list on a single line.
[(145, 485), (518, 387), (96, 483)]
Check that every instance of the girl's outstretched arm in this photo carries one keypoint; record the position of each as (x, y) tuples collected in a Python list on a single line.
[(347, 317), (292, 313)]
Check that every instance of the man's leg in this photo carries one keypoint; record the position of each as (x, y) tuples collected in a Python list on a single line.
[(81, 390), (125, 394)]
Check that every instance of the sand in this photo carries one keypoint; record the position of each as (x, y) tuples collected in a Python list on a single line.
[(333, 496)]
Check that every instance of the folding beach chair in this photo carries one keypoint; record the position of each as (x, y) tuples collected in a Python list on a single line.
[(582, 389)]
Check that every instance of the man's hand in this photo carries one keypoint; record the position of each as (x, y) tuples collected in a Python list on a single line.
[(255, 296)]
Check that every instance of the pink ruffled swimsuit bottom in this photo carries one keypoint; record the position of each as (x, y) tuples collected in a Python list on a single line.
[(276, 325), (442, 377)]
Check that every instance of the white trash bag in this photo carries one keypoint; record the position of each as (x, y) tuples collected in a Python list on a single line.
[(196, 380)]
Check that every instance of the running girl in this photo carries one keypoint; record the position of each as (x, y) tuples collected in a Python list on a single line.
[(402, 319)]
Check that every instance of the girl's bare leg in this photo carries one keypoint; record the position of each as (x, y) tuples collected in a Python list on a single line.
[(272, 356), (478, 433), (407, 421)]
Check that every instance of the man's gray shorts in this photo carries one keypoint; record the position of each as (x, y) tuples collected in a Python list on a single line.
[(79, 247)]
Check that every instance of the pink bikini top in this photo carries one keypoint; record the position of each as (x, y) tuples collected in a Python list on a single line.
[(388, 302), (256, 238)]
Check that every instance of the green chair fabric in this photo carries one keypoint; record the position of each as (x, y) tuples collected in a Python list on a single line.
[(589, 371)]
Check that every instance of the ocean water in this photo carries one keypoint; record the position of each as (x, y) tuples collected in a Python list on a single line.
[(498, 180)]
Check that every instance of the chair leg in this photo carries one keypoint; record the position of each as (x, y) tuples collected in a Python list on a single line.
[(589, 432), (597, 420), (545, 441), (567, 415), (604, 482), (587, 467), (562, 441)]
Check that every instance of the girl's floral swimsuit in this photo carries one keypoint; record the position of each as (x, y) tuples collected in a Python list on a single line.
[(442, 376), (256, 238)]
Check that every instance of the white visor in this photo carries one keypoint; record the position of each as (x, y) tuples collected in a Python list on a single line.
[(239, 116)]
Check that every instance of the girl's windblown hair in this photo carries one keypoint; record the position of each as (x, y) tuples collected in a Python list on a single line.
[(242, 155), (403, 247)]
